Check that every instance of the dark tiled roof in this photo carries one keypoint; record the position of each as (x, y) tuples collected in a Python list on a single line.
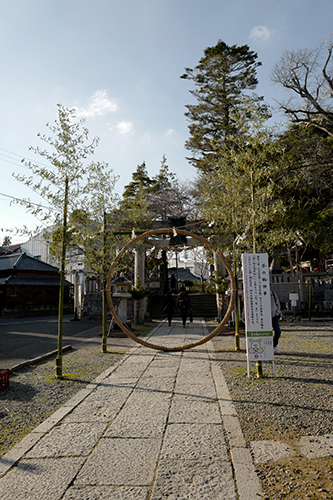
[(12, 248), (121, 280), (183, 274), (31, 281), (23, 262)]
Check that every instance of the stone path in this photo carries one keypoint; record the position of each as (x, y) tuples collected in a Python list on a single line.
[(157, 425), (309, 446)]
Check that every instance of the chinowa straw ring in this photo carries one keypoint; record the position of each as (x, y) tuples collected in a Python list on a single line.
[(206, 243)]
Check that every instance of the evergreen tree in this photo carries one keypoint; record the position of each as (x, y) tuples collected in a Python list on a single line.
[(221, 78), (148, 198), (241, 196), (307, 195)]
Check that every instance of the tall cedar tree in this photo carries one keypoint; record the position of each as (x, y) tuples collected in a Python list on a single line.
[(155, 198), (221, 77)]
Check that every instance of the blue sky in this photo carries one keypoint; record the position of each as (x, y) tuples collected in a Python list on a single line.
[(119, 63)]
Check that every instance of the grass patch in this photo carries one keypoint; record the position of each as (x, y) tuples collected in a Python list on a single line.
[(230, 350)]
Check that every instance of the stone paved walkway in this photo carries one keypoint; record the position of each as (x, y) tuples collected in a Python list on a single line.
[(157, 425)]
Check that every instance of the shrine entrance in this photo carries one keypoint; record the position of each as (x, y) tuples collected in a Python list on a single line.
[(171, 232)]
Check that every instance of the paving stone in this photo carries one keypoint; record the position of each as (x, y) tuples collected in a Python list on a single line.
[(193, 365), (107, 493), (163, 385), (195, 378), (316, 446), (130, 370), (165, 359), (195, 391), (233, 431), (53, 419), (112, 392), (195, 480), (17, 452), (140, 359), (101, 406), (266, 451), (144, 419), (68, 439), (160, 372), (39, 479), (121, 381), (194, 441), (140, 396), (119, 462), (248, 484), (189, 411), (223, 394), (78, 398)]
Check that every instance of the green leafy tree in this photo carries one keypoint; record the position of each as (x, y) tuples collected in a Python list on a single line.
[(307, 223), (221, 78), (68, 182), (134, 206), (146, 198), (240, 195), (6, 241)]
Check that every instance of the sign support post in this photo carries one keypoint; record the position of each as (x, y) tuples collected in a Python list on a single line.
[(257, 305)]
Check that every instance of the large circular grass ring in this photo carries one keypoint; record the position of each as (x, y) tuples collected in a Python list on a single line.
[(206, 243)]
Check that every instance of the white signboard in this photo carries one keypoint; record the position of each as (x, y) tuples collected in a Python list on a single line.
[(257, 304)]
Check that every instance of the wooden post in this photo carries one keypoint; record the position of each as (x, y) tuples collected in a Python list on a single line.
[(104, 300), (62, 285), (139, 273), (310, 297), (237, 342)]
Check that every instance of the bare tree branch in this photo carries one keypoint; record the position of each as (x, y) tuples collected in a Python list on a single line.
[(299, 72)]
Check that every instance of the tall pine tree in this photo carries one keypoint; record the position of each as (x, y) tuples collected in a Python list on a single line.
[(220, 78)]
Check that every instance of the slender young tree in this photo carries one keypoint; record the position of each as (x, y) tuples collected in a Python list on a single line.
[(64, 185), (240, 196)]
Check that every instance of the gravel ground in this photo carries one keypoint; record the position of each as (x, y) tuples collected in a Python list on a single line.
[(34, 393), (298, 402)]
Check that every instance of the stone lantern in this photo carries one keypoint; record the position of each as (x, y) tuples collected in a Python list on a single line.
[(122, 285)]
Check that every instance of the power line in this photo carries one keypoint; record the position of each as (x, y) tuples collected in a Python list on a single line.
[(25, 201), (16, 164), (22, 157)]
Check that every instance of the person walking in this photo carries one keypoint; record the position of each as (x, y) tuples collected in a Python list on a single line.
[(276, 309), (173, 284), (169, 306), (184, 304)]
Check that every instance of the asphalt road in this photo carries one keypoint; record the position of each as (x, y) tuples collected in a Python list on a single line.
[(27, 338)]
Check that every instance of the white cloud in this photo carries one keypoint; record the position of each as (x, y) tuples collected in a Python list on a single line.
[(260, 34), (169, 132), (100, 104), (147, 137), (124, 127)]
